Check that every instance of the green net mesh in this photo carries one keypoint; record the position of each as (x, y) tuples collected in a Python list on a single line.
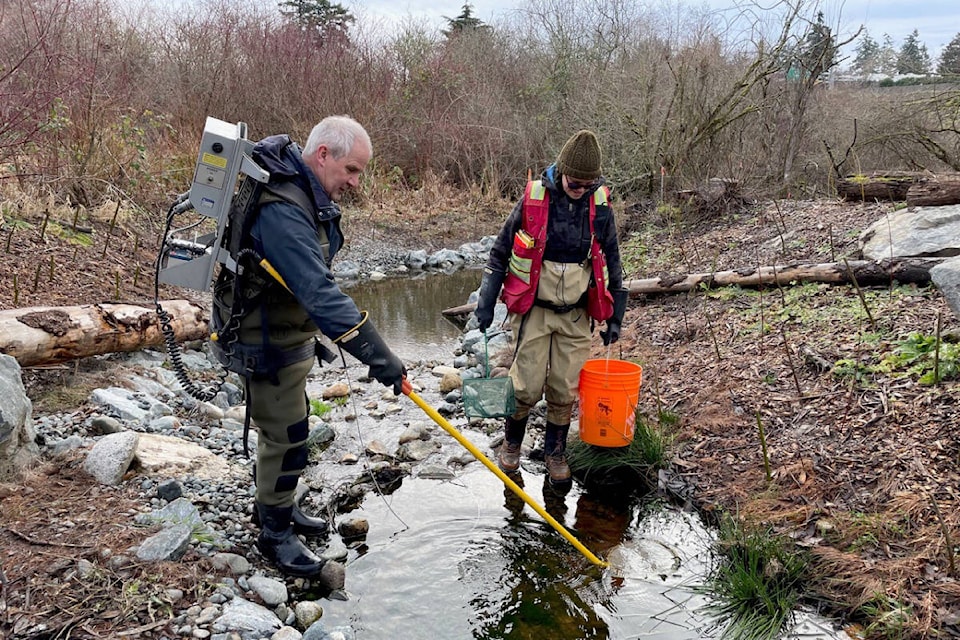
[(488, 397)]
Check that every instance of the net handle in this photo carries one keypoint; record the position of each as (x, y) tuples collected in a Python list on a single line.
[(486, 356)]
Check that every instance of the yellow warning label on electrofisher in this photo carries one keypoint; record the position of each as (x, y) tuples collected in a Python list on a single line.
[(217, 161)]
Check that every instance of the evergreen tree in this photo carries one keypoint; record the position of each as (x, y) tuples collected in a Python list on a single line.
[(818, 52), (466, 21), (950, 58), (322, 15), (887, 58), (867, 58), (813, 56), (913, 57)]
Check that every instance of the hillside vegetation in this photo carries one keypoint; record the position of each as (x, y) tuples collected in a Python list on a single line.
[(101, 103)]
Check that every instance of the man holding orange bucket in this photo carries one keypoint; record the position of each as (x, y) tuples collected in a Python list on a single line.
[(557, 262)]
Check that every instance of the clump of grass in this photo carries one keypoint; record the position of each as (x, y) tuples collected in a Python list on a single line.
[(890, 617), (647, 452), (319, 408), (756, 584)]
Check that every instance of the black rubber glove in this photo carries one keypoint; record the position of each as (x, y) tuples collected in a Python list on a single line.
[(487, 302), (368, 347), (612, 334)]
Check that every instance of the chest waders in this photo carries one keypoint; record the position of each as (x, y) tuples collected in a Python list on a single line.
[(263, 334), (543, 362)]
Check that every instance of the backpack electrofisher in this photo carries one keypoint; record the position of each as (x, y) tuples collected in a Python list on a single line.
[(223, 160)]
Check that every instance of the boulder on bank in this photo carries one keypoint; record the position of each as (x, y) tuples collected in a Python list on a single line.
[(17, 447), (917, 232)]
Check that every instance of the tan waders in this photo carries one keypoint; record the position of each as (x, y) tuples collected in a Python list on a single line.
[(553, 346)]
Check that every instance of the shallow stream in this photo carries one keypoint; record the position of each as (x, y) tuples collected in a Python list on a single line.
[(465, 558)]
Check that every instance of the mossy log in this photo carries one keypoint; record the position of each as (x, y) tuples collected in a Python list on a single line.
[(889, 187), (866, 272), (48, 335)]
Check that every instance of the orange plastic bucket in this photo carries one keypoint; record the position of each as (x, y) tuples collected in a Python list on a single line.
[(609, 392)]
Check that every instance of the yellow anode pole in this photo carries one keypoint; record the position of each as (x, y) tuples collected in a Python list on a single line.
[(513, 486), (440, 420)]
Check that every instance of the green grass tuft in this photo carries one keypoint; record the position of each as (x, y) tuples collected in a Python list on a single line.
[(648, 451), (319, 408), (756, 584)]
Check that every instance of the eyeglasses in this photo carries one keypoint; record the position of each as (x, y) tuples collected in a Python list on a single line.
[(577, 186)]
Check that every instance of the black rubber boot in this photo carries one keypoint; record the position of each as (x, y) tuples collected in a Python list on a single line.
[(515, 429), (280, 545), (303, 524)]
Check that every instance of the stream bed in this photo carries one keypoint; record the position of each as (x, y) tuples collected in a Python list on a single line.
[(456, 555)]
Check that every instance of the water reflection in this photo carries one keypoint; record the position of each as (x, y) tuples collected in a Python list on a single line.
[(471, 563), (407, 311), (468, 560), (544, 592)]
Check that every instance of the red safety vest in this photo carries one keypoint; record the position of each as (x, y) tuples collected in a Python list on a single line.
[(526, 259)]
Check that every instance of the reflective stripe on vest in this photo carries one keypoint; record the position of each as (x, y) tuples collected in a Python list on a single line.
[(523, 273)]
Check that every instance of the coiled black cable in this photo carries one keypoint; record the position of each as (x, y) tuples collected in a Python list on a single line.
[(174, 351)]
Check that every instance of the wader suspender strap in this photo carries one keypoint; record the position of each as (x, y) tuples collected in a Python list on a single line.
[(279, 192), (289, 192)]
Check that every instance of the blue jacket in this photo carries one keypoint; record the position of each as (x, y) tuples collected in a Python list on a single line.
[(288, 238)]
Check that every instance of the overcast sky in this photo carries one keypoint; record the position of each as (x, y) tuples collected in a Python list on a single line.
[(937, 21)]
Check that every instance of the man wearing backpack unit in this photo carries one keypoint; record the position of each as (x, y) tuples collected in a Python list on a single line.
[(267, 321), (551, 260)]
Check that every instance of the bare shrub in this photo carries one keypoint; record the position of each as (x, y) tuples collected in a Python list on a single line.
[(31, 82), (114, 105)]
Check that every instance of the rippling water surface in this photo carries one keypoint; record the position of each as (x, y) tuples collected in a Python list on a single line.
[(467, 559)]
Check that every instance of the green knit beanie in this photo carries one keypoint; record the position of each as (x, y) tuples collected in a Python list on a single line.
[(580, 156)]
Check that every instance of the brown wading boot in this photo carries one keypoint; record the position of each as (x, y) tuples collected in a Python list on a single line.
[(508, 458), (557, 468), (554, 452)]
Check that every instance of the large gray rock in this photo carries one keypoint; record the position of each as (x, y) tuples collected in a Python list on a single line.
[(251, 621), (131, 406), (111, 457), (946, 277), (916, 232), (167, 545), (17, 447), (162, 456)]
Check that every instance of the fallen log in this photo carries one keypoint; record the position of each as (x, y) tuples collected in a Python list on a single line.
[(48, 335), (888, 187), (867, 273), (934, 192)]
